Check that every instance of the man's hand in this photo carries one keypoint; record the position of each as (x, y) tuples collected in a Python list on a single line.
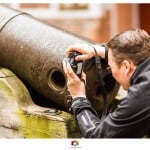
[(76, 86), (86, 50)]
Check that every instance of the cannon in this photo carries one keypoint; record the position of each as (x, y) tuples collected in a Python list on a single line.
[(34, 50)]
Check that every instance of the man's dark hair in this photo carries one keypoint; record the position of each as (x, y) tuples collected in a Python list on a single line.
[(132, 44)]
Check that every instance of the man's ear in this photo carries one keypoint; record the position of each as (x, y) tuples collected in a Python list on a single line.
[(126, 66)]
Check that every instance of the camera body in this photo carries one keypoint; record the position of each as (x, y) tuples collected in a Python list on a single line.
[(77, 66)]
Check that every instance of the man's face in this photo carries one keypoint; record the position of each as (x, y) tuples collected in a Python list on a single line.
[(119, 73)]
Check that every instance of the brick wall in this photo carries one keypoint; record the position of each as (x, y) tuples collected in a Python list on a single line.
[(99, 29), (96, 30), (34, 5), (144, 16)]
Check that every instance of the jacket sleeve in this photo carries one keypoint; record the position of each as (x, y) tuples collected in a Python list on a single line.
[(130, 120)]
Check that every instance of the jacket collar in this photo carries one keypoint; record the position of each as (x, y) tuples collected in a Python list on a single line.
[(143, 67)]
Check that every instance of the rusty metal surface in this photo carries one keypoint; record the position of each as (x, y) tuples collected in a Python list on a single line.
[(34, 51)]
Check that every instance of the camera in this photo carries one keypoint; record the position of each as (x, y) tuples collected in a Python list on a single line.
[(77, 66)]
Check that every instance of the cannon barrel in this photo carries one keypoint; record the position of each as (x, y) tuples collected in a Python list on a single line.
[(34, 51)]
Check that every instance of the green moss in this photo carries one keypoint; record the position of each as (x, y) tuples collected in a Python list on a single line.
[(47, 126), (6, 89), (12, 88), (4, 73), (21, 92)]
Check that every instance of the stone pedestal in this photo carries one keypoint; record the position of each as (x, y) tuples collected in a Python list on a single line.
[(21, 118)]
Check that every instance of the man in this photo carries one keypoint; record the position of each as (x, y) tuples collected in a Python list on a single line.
[(129, 61)]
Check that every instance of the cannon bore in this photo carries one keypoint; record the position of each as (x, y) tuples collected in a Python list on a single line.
[(34, 51)]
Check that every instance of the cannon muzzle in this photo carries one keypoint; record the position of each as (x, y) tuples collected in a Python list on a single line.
[(34, 51)]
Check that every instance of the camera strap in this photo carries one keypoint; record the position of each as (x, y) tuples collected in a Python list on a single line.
[(102, 83)]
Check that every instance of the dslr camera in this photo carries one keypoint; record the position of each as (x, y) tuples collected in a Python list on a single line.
[(77, 66)]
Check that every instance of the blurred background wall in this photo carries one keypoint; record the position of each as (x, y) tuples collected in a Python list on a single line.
[(95, 21)]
